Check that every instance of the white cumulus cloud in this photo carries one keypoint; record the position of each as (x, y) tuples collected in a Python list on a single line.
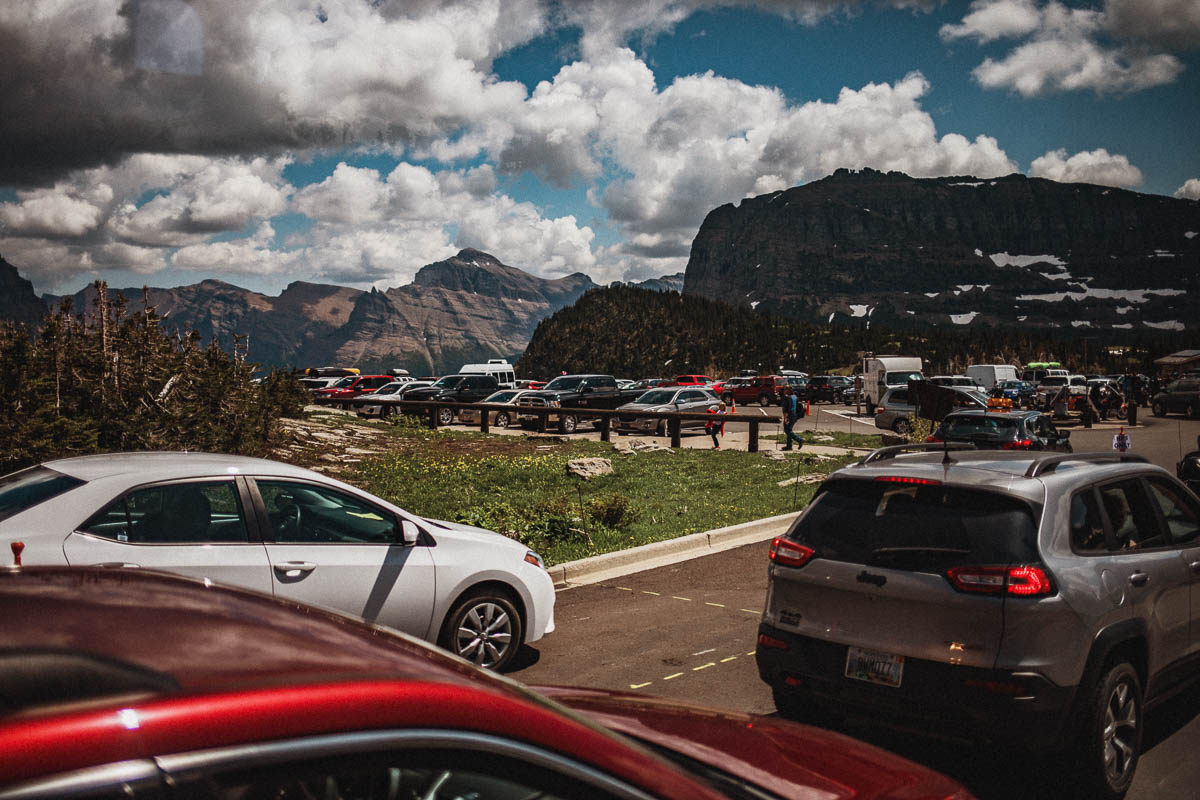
[(1190, 189), (1094, 166)]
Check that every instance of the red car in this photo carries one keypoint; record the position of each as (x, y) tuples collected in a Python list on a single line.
[(691, 380), (130, 683), (761, 389), (348, 388)]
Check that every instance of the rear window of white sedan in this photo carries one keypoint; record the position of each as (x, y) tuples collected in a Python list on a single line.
[(25, 489)]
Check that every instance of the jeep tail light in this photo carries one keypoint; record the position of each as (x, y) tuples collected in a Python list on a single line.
[(771, 642), (789, 554), (1020, 444), (1022, 581)]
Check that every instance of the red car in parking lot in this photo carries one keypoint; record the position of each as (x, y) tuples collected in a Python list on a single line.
[(350, 387), (130, 683)]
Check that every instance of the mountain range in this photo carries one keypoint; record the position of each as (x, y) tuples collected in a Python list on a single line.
[(888, 249)]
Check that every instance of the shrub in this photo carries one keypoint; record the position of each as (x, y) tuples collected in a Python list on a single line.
[(613, 511)]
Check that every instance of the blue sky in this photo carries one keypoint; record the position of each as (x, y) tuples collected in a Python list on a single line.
[(354, 141)]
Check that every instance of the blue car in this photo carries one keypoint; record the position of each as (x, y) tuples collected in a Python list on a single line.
[(1020, 392)]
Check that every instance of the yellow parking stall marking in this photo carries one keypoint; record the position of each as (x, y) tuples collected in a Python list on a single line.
[(625, 589), (750, 653), (716, 605), (704, 666), (640, 685), (656, 594), (673, 677), (677, 597), (727, 660), (749, 610)]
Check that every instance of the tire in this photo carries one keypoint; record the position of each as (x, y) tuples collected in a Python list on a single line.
[(661, 430), (870, 408), (445, 416), (902, 426), (1111, 741), (728, 398), (501, 420), (1121, 412), (1157, 409), (764, 400), (484, 628), (567, 423)]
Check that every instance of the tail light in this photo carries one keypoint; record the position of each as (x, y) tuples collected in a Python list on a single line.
[(932, 438), (880, 409), (790, 554), (1022, 581), (771, 642), (1020, 444)]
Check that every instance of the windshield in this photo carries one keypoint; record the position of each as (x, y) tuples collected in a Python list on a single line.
[(998, 427), (25, 489), (500, 397), (918, 528), (342, 383), (656, 397), (564, 383), (898, 378), (448, 381), (388, 388)]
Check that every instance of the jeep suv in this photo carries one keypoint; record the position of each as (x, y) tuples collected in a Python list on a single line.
[(1039, 600)]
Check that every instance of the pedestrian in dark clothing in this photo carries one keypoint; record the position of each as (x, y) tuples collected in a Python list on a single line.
[(790, 415), (1133, 387)]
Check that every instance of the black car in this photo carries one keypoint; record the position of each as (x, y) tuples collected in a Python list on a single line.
[(467, 388), (1002, 430), (829, 388), (1178, 397)]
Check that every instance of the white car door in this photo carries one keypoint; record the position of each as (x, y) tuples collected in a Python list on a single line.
[(333, 549), (194, 528)]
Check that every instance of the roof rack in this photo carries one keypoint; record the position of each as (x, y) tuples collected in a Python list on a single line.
[(896, 449), (1050, 463)]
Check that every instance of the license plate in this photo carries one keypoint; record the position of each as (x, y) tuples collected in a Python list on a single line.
[(881, 668)]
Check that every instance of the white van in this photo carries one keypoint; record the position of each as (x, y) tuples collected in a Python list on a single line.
[(988, 375), (498, 368), (884, 372)]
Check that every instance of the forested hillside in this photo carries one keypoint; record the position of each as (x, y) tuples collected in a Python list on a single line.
[(625, 331)]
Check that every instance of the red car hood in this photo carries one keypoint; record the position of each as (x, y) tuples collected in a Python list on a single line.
[(786, 758)]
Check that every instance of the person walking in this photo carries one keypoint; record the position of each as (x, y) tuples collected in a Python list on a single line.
[(790, 415), (716, 428)]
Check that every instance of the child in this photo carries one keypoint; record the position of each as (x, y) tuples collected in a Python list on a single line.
[(714, 428)]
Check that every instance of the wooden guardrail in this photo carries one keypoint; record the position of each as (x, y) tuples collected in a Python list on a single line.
[(602, 416)]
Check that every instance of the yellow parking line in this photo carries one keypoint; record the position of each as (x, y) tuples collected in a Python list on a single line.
[(704, 666), (716, 605), (749, 610), (727, 660), (677, 597), (656, 594), (640, 685), (625, 589), (672, 677), (750, 653)]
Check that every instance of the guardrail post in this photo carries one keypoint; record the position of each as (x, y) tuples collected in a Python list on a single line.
[(673, 426), (542, 417), (753, 444), (433, 420), (483, 420), (605, 436)]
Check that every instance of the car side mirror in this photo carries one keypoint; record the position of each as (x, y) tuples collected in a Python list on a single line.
[(409, 533)]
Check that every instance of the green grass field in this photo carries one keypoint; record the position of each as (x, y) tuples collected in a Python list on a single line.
[(520, 486)]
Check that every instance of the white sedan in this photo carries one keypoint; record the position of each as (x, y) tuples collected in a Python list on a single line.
[(287, 531)]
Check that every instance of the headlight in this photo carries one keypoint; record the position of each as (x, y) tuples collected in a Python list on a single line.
[(552, 403), (535, 559)]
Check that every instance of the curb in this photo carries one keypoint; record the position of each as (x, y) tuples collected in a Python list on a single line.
[(660, 554)]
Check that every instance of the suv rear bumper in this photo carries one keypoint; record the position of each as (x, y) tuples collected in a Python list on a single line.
[(942, 699)]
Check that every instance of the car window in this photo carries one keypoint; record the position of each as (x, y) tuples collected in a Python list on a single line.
[(27, 488), (1179, 511), (305, 512), (1131, 518), (899, 396), (174, 513), (926, 528), (1087, 526)]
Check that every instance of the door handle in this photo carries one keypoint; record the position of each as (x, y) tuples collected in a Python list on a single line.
[(293, 569), (1139, 579)]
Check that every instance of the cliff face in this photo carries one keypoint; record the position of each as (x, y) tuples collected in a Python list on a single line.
[(18, 302), (465, 309), (955, 251)]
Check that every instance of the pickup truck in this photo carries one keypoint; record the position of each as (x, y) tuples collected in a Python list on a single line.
[(574, 392)]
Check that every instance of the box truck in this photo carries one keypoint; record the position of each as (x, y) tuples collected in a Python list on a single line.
[(988, 375), (883, 372)]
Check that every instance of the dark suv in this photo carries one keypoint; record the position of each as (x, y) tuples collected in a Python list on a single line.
[(467, 388), (828, 388), (1002, 430), (1034, 599)]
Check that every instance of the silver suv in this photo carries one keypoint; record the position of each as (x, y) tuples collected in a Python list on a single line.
[(1042, 600)]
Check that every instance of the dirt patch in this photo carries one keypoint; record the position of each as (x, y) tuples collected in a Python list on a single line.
[(333, 443)]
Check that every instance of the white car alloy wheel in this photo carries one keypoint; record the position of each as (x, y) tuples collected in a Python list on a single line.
[(485, 629)]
